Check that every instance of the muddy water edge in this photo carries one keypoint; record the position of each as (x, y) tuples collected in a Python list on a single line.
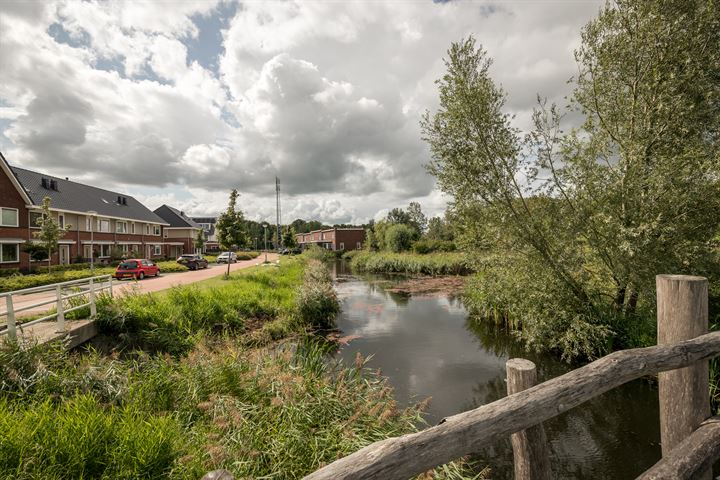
[(428, 346)]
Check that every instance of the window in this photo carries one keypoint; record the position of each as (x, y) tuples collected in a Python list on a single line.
[(88, 223), (34, 218), (121, 227), (125, 248), (156, 229), (342, 246), (8, 217), (104, 251), (132, 228), (103, 225), (61, 220), (157, 250), (9, 253)]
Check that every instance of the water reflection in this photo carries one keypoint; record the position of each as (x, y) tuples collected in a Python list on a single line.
[(428, 347)]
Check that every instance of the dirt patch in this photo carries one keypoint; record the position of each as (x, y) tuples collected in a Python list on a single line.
[(430, 286)]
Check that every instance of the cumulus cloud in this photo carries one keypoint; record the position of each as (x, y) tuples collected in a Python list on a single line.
[(325, 95)]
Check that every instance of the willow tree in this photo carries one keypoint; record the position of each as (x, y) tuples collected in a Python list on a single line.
[(596, 212)]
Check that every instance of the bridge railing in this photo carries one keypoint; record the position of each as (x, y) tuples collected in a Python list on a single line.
[(54, 298), (690, 438)]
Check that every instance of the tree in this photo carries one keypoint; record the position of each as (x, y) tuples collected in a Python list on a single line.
[(417, 218), (231, 227), (289, 240), (399, 237), (605, 207), (398, 215), (50, 231), (200, 240), (439, 229)]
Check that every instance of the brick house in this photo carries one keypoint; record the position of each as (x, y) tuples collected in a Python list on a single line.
[(180, 233), (100, 220), (208, 226), (333, 238)]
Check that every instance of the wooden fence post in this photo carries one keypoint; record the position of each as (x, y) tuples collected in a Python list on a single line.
[(530, 447), (682, 314)]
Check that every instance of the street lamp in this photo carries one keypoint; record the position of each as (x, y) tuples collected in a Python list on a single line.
[(92, 214), (265, 227)]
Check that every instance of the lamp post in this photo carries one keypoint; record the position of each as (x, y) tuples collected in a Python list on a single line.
[(265, 227), (91, 214)]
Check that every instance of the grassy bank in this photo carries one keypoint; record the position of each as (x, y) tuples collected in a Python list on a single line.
[(201, 394), (410, 263)]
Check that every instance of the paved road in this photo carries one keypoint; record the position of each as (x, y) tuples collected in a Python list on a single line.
[(155, 284)]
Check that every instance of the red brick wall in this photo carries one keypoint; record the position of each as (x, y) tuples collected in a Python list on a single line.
[(349, 238), (11, 198)]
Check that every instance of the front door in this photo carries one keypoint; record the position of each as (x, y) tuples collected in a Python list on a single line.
[(64, 254)]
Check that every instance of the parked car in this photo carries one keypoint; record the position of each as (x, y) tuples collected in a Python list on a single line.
[(137, 268), (192, 261), (226, 257)]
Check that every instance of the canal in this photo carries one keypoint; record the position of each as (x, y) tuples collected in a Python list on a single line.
[(428, 346)]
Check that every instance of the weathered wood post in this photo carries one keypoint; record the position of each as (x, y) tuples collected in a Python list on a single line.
[(682, 314), (530, 447)]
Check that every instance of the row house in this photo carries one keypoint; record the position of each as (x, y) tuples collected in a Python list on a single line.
[(101, 222), (208, 225), (333, 238), (180, 233)]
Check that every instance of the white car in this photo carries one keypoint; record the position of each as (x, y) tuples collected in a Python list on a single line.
[(226, 257)]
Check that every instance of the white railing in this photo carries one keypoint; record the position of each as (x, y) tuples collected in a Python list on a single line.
[(59, 293)]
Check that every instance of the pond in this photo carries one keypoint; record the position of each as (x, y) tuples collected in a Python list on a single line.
[(428, 346)]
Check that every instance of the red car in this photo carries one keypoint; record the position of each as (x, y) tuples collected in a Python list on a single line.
[(137, 268)]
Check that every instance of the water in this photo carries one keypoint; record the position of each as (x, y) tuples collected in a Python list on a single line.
[(428, 347)]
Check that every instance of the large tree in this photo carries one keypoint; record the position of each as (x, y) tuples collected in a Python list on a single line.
[(595, 212)]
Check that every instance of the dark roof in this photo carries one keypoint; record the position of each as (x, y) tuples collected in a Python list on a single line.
[(208, 220), (175, 217), (77, 197)]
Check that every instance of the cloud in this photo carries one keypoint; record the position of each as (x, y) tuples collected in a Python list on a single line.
[(325, 95)]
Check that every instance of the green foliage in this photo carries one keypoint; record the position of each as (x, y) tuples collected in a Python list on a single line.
[(36, 251), (318, 253), (399, 237), (317, 303), (19, 282), (200, 240), (50, 231), (231, 225), (429, 246), (273, 302), (288, 239), (631, 194), (431, 264)]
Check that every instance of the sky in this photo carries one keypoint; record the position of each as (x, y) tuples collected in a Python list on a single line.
[(179, 102)]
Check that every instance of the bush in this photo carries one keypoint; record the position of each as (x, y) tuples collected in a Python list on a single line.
[(399, 237), (317, 302), (317, 253), (429, 246), (431, 264), (19, 282), (9, 272), (247, 255)]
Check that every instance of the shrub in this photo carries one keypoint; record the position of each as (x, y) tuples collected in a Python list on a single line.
[(431, 264), (317, 253), (317, 302), (399, 237), (247, 255), (429, 246), (9, 272)]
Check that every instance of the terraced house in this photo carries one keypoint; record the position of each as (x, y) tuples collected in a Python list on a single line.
[(180, 233), (103, 222)]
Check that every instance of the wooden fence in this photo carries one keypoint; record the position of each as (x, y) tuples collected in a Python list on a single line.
[(690, 438)]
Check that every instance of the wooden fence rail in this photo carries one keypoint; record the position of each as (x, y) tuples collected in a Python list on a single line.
[(689, 446)]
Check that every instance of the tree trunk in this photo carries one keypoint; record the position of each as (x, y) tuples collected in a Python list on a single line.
[(619, 296), (632, 302)]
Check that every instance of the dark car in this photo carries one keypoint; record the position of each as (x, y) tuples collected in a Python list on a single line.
[(137, 268), (192, 261)]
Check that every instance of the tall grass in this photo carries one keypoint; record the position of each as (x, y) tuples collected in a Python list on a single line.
[(276, 412), (430, 264)]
